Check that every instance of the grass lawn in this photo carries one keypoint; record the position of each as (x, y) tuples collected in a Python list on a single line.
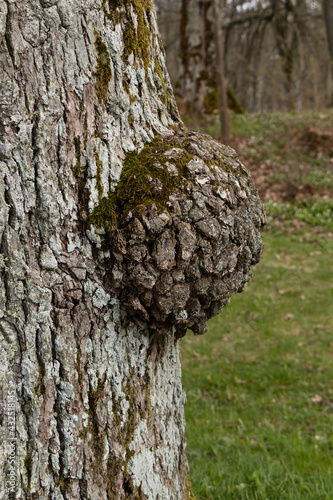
[(259, 384), (259, 416)]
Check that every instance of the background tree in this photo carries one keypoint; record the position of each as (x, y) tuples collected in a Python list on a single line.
[(168, 22), (220, 73), (328, 16), (284, 54), (196, 73), (276, 56), (118, 231)]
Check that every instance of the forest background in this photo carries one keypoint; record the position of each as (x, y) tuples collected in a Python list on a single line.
[(259, 382)]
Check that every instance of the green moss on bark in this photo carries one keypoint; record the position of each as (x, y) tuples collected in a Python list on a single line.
[(211, 101), (126, 87), (130, 41), (105, 215), (136, 34), (144, 180), (189, 493), (99, 186), (28, 463), (233, 102), (103, 71), (136, 41)]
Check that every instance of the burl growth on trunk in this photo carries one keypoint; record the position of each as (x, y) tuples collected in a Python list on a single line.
[(182, 229)]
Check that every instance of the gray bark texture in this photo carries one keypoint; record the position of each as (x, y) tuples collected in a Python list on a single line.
[(328, 17), (118, 231), (197, 87), (220, 73)]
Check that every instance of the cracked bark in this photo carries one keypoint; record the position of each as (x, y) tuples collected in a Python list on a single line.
[(99, 412)]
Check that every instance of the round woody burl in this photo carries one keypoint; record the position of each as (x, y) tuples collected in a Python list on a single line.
[(186, 244)]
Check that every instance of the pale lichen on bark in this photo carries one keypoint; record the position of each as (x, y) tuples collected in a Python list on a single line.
[(99, 405)]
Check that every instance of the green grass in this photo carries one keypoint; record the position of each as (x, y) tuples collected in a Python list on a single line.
[(279, 139), (260, 126), (278, 124), (259, 416), (315, 212)]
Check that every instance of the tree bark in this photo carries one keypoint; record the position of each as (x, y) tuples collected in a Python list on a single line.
[(96, 417), (92, 402), (197, 79), (328, 17), (220, 74)]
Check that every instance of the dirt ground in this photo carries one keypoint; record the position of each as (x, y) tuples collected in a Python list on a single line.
[(289, 181)]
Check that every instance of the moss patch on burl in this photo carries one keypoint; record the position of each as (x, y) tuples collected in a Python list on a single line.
[(151, 177), (145, 179)]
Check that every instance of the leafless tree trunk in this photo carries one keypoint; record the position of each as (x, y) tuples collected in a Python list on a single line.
[(283, 20), (328, 17), (197, 79), (220, 74), (92, 402)]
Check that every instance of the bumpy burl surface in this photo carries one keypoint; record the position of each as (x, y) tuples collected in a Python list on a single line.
[(179, 260)]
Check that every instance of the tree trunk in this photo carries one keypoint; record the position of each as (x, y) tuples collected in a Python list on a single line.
[(220, 74), (202, 70), (198, 93), (90, 372), (328, 17)]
